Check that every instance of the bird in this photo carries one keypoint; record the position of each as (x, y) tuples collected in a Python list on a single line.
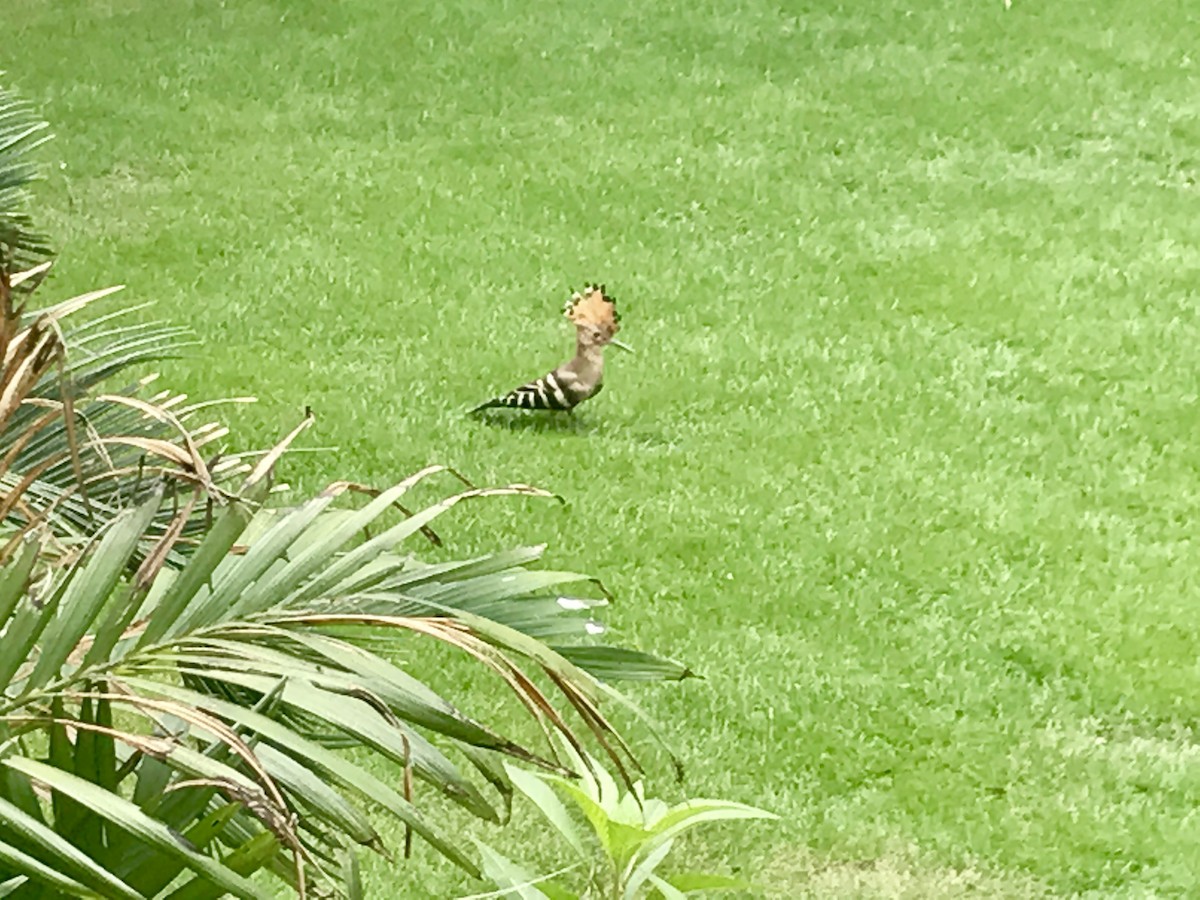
[(594, 314)]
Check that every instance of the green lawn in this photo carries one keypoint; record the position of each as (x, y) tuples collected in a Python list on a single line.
[(907, 463)]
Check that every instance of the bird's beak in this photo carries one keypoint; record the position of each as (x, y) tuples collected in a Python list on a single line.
[(621, 345)]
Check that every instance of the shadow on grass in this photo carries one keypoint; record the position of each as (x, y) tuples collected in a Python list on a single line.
[(538, 422)]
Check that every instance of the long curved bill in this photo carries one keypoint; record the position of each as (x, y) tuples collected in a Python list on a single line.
[(622, 345)]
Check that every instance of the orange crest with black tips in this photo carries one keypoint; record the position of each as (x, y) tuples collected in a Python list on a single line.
[(594, 310)]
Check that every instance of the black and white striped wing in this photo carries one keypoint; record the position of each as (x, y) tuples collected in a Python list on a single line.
[(553, 391)]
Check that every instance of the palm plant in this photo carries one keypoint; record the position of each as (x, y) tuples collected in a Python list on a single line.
[(173, 723), (209, 702), (70, 458)]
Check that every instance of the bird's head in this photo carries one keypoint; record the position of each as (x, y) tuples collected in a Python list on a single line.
[(594, 314)]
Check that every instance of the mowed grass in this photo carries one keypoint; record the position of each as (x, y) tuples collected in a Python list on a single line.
[(907, 464)]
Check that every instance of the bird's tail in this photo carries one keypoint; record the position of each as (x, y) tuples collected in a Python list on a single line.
[(490, 404)]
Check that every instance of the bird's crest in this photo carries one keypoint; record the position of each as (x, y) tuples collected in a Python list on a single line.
[(594, 307)]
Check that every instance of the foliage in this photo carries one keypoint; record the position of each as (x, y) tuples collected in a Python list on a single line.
[(209, 702), (172, 724), (21, 132), (70, 458), (631, 837)]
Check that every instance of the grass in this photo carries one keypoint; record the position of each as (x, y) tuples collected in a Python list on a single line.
[(906, 466)]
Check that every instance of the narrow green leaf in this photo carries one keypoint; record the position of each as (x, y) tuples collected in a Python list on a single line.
[(326, 760), (538, 617), (417, 573), (514, 880), (24, 629), (204, 831), (67, 859), (627, 842), (615, 817), (695, 882), (315, 557), (14, 578), (686, 816), (408, 698), (667, 890), (226, 599), (19, 861), (315, 793), (490, 764), (695, 812), (140, 863), (644, 869), (155, 870), (351, 876), (215, 546), (365, 724), (245, 860), (153, 776), (485, 592), (343, 576), (91, 589), (548, 804), (620, 664), (509, 638), (68, 815), (595, 813), (339, 576), (88, 834), (119, 616), (125, 815), (17, 790), (104, 747)]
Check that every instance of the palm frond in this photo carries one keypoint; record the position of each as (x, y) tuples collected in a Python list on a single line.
[(232, 682), (21, 131), (71, 458), (68, 458)]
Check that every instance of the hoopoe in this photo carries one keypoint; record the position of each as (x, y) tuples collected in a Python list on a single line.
[(594, 314)]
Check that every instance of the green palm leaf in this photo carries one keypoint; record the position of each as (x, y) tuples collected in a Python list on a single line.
[(21, 131), (283, 673)]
